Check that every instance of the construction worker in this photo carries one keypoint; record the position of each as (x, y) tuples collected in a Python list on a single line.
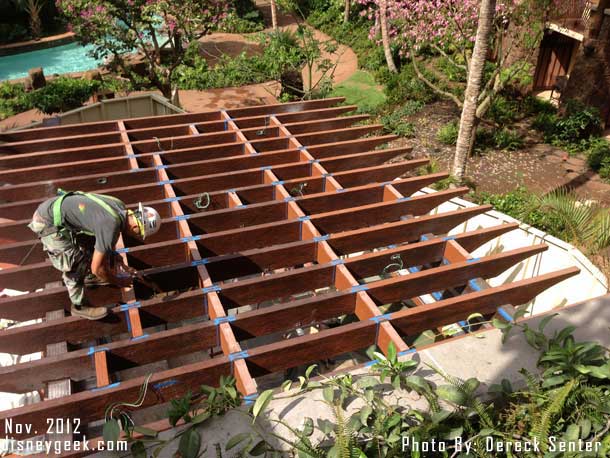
[(79, 231)]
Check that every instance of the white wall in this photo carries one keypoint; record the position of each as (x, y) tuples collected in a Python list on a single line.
[(588, 284)]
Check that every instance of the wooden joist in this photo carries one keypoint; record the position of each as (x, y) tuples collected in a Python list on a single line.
[(305, 214)]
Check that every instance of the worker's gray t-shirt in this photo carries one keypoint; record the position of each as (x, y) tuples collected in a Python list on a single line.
[(83, 214)]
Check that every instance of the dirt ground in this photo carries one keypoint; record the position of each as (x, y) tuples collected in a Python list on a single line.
[(538, 166)]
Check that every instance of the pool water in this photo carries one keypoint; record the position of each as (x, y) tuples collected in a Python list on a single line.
[(60, 59)]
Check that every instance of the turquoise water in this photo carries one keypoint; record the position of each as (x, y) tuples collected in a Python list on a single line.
[(60, 59)]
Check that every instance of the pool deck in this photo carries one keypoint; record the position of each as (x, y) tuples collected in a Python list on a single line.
[(33, 45)]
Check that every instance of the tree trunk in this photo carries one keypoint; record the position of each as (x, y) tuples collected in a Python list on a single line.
[(274, 14), (383, 19), (346, 11), (468, 120)]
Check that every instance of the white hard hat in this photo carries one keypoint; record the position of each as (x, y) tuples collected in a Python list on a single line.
[(150, 220)]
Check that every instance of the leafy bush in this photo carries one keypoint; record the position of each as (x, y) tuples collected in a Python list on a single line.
[(405, 85), (395, 122), (13, 99), (503, 110), (508, 140), (453, 72), (577, 125), (281, 52), (598, 156), (13, 32), (448, 133), (63, 94), (248, 23), (532, 105)]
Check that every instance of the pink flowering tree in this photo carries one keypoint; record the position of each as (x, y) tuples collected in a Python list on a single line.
[(144, 40)]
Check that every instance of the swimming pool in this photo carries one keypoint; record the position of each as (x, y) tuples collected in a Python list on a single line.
[(59, 59)]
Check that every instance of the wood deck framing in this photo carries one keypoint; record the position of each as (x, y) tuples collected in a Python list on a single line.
[(305, 211)]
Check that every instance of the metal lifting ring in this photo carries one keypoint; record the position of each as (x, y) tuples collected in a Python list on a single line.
[(198, 201), (298, 190), (397, 264)]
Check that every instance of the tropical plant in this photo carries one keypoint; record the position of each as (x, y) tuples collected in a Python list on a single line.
[(157, 31), (32, 8)]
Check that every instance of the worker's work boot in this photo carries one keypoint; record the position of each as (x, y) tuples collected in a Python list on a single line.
[(89, 313)]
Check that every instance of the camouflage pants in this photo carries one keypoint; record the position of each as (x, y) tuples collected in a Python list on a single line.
[(67, 256)]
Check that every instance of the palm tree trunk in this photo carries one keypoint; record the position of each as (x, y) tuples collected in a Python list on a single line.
[(383, 19), (346, 11), (274, 14), (468, 120)]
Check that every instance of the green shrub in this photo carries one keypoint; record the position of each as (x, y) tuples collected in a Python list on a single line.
[(63, 94), (448, 133), (573, 129), (453, 72), (395, 122), (503, 110), (508, 140), (405, 85), (597, 152), (13, 99), (13, 32), (250, 22), (532, 105), (281, 52)]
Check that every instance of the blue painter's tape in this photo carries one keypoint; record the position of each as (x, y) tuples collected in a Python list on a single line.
[(143, 336), (190, 238), (341, 190), (159, 167), (161, 385), (357, 288), (407, 352), (449, 237), (304, 218), (504, 314), (437, 295), (385, 183), (473, 285), (161, 183), (371, 363), (226, 124), (424, 237), (301, 148), (112, 385), (403, 199), (314, 161), (136, 169), (473, 259), (131, 156), (210, 289), (288, 199), (93, 350), (266, 167), (381, 318), (327, 175), (231, 190), (276, 183), (171, 199), (200, 262), (242, 206), (249, 399), (122, 250), (321, 238), (238, 355), (391, 246), (253, 152), (336, 262), (224, 319), (181, 217), (131, 305)]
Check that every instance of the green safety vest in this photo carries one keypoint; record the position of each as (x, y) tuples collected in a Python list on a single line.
[(58, 220)]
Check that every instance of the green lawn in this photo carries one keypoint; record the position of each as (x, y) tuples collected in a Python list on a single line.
[(360, 89)]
